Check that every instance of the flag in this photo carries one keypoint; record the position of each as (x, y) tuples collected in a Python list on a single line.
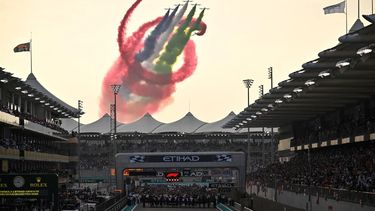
[(22, 47), (336, 8)]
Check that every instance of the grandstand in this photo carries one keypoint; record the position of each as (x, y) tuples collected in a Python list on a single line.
[(325, 115), (32, 139)]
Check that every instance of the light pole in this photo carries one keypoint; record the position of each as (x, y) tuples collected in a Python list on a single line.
[(273, 142), (111, 157), (261, 92), (115, 89), (248, 83), (270, 76), (79, 141)]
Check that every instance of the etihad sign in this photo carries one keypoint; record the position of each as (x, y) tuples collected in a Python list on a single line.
[(178, 158), (181, 158)]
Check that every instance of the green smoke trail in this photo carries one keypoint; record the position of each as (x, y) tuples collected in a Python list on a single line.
[(196, 25), (177, 43)]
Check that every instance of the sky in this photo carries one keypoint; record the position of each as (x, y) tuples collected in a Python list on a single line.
[(74, 45)]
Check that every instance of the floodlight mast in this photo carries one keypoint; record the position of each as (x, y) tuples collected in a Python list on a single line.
[(248, 83), (80, 107), (115, 89)]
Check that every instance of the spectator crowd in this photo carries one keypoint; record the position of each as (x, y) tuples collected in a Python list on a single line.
[(342, 123), (34, 144), (175, 196), (53, 124), (349, 167)]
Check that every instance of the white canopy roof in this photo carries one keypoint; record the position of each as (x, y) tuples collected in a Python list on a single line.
[(69, 124), (146, 124), (101, 125), (187, 124)]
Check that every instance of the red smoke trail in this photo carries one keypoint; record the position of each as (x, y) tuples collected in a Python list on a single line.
[(122, 27), (203, 29), (143, 91)]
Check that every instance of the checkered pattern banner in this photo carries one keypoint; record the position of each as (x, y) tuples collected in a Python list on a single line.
[(137, 159), (224, 158)]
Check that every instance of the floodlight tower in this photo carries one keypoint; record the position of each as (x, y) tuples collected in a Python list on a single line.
[(115, 89), (248, 83), (273, 141), (273, 147), (261, 93), (79, 140)]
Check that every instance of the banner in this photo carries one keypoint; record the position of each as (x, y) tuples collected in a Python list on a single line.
[(179, 158)]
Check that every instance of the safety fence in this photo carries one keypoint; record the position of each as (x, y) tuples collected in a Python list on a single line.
[(352, 196), (255, 203), (114, 204)]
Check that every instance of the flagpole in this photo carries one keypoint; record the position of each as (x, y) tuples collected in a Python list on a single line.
[(346, 16), (358, 8), (31, 55)]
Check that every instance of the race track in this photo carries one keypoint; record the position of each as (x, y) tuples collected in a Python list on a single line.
[(140, 208)]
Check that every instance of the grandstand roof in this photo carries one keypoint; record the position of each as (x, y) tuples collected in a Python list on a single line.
[(34, 83), (146, 124), (35, 90), (101, 125), (341, 76), (187, 124)]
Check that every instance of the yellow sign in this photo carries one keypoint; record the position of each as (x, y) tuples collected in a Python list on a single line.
[(19, 192), (38, 185)]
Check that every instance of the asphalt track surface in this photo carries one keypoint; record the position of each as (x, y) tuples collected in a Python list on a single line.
[(140, 208)]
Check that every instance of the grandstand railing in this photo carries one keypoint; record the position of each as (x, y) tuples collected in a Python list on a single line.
[(353, 196), (357, 197), (9, 118), (16, 118), (9, 153), (40, 156), (29, 125), (36, 156)]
